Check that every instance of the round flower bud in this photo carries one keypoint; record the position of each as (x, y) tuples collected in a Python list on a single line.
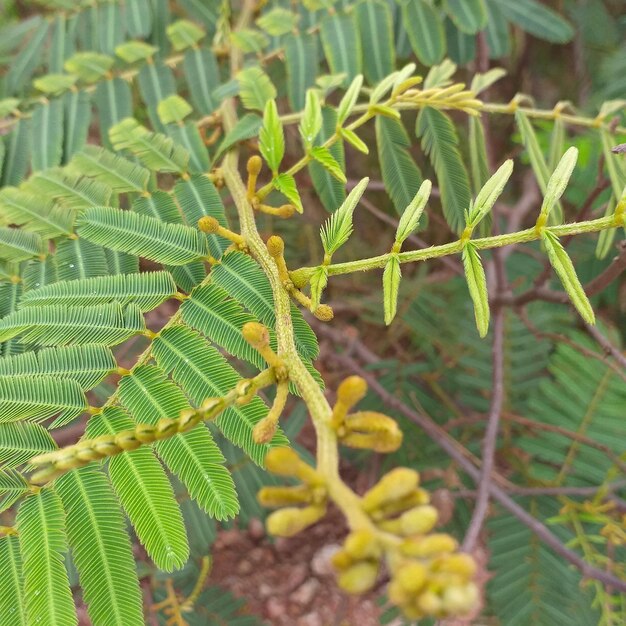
[(394, 485), (256, 334), (324, 313), (286, 210), (254, 165), (275, 246), (208, 224), (460, 599), (361, 545), (282, 461), (430, 603), (431, 545), (290, 521), (411, 577), (462, 565), (127, 440), (359, 577), (351, 390), (419, 520)]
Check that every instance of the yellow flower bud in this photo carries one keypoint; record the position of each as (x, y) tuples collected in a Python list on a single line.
[(394, 485), (187, 419), (460, 564), (378, 441), (415, 498), (431, 545), (397, 594), (341, 560), (264, 430), (145, 433), (286, 210), (85, 452), (411, 576), (127, 441), (166, 427), (362, 544), (290, 521), (359, 577), (275, 246), (254, 165), (43, 475), (274, 497), (66, 460), (430, 603), (106, 446), (208, 224), (461, 599), (282, 461), (324, 313), (351, 390), (256, 335), (419, 520)]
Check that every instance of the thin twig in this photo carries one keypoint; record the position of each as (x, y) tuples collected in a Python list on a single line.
[(606, 345)]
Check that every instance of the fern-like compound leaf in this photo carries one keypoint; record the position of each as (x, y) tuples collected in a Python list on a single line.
[(13, 486), (41, 528), (40, 398), (146, 290), (170, 244), (20, 441), (101, 550), (203, 373), (193, 456), (106, 324), (18, 245), (12, 606), (145, 493)]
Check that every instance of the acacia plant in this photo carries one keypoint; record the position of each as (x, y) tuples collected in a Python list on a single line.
[(161, 161)]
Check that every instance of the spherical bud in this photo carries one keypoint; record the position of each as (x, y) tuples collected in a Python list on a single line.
[(275, 246), (254, 165), (208, 224), (461, 599), (300, 278), (419, 520), (290, 521), (362, 544), (411, 577), (430, 603), (341, 560), (324, 313), (359, 577), (286, 210), (282, 461), (462, 565), (429, 546), (351, 390), (256, 334), (394, 485)]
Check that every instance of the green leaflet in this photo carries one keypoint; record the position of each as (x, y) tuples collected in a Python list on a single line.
[(39, 272), (111, 169), (614, 165), (497, 31), (440, 142), (255, 88), (171, 244), (301, 65), (23, 65), (409, 219), (79, 259), (12, 605), (324, 156), (349, 99), (375, 27), (286, 184), (564, 268), (557, 143), (101, 550), (13, 486), (88, 364), (145, 493), (198, 197), (278, 21), (250, 40), (138, 18), (47, 593), (477, 285), (77, 117), (160, 205), (40, 398), (247, 126), (188, 136), (147, 291), (558, 180), (20, 441), (338, 227), (318, 282), (193, 456), (425, 31), (18, 245), (606, 237), (47, 135), (489, 193), (183, 34), (202, 76), (156, 82), (536, 19), (89, 66), (203, 373), (400, 174), (17, 158), (106, 324), (271, 137), (114, 102), (154, 150), (391, 285), (244, 281), (469, 16), (220, 319), (342, 45), (311, 122), (173, 109)]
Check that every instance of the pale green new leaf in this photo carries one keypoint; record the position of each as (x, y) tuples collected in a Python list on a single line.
[(411, 216), (41, 528), (558, 180), (132, 51), (12, 605), (557, 143), (106, 324), (184, 34), (21, 441), (147, 291), (271, 137), (482, 81), (401, 175), (391, 285), (278, 21), (203, 373), (173, 109), (193, 456), (489, 193), (111, 169), (101, 549), (90, 67), (145, 493), (349, 99), (606, 237), (18, 245), (170, 244), (255, 88), (311, 122), (154, 150), (338, 227), (440, 142), (54, 84), (39, 398), (477, 285), (286, 184), (323, 156), (440, 75), (564, 268), (354, 140), (318, 282), (250, 40)]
